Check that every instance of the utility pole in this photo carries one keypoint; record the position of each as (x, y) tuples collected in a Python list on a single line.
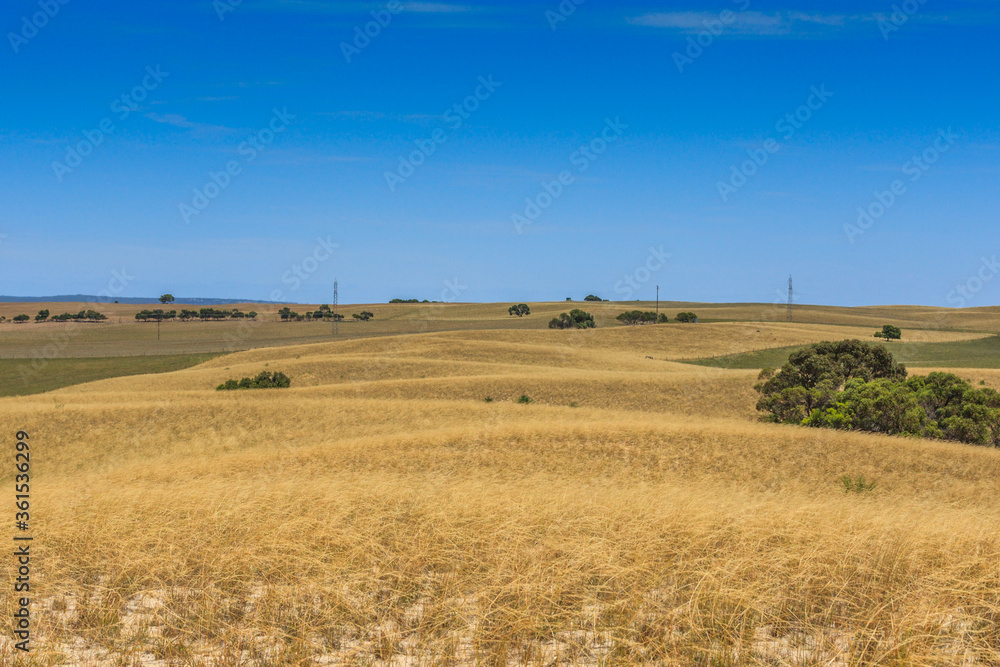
[(657, 301), (336, 299), (788, 314)]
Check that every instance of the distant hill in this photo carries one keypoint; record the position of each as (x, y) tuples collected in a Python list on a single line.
[(91, 298)]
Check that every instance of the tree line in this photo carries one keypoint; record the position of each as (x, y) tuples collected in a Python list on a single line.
[(203, 314), (88, 315)]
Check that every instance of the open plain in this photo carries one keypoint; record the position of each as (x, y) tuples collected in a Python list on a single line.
[(448, 484)]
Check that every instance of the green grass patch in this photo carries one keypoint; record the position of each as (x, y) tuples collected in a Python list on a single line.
[(28, 376), (978, 353)]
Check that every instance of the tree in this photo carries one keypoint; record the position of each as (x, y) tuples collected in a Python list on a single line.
[(22, 318), (812, 377), (686, 317), (633, 317), (574, 319), (662, 319), (889, 332), (406, 301), (285, 313), (592, 297), (520, 310), (252, 315), (167, 298), (364, 316), (42, 315)]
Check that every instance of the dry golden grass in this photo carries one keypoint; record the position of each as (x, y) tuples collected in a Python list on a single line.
[(381, 512)]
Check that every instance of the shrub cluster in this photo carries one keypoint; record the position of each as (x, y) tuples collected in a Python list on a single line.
[(263, 380), (592, 297), (408, 301), (857, 386), (324, 313), (520, 310), (204, 314), (688, 317), (574, 319), (82, 316), (633, 317)]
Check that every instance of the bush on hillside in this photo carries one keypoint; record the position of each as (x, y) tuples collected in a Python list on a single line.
[(592, 297), (633, 317), (22, 318), (574, 319), (687, 317), (856, 386), (520, 310), (889, 332), (263, 380)]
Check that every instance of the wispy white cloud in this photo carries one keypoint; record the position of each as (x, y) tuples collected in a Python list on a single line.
[(786, 23), (177, 120)]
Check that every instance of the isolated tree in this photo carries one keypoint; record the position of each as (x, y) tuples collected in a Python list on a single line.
[(252, 315), (686, 317), (813, 376), (520, 310), (889, 332), (592, 297), (167, 298), (42, 315), (574, 319), (22, 318)]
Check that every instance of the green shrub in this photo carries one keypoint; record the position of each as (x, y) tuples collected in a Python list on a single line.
[(592, 297), (520, 310), (852, 385), (22, 318), (525, 399), (889, 332), (574, 319), (264, 380), (686, 317), (633, 317), (856, 485)]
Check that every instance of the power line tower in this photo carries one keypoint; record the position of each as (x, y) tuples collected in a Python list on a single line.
[(336, 301), (788, 314)]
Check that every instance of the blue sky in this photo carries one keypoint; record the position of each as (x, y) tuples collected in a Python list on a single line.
[(710, 148)]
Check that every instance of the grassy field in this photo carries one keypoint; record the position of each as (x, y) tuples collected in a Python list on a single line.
[(498, 496), (976, 353), (122, 335), (24, 376)]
